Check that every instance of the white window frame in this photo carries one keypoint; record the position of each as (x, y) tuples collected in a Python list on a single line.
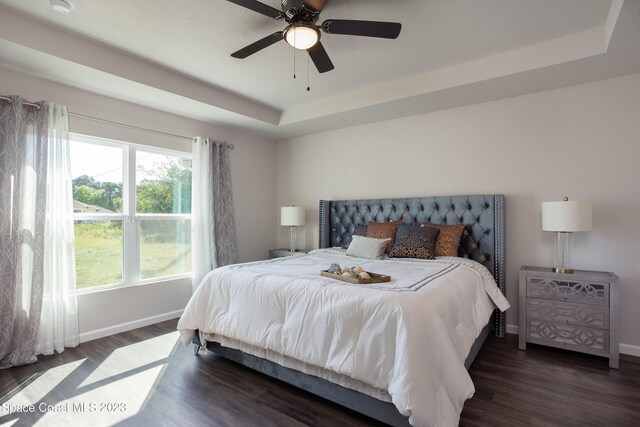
[(130, 219)]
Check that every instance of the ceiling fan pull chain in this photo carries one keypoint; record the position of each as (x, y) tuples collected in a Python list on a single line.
[(308, 86), (294, 57)]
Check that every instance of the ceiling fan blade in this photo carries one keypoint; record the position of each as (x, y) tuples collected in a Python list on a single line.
[(258, 46), (320, 58), (385, 30), (316, 5), (262, 8)]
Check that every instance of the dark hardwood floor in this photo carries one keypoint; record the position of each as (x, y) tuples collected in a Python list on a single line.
[(145, 378)]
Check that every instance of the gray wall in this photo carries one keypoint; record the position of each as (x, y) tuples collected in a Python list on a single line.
[(582, 142)]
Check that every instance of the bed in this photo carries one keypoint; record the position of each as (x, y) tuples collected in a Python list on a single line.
[(397, 354)]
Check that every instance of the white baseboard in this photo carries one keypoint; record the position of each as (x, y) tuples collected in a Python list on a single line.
[(631, 350), (123, 327), (512, 329)]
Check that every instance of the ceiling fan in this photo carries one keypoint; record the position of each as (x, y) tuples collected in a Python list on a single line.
[(303, 33)]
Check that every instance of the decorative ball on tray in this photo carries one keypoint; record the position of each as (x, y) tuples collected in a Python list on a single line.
[(335, 269)]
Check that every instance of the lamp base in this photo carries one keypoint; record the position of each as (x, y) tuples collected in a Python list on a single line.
[(292, 239), (562, 253)]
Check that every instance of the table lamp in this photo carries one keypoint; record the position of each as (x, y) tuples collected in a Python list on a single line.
[(565, 218), (292, 216)]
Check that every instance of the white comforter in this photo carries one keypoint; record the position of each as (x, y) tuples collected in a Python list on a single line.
[(410, 339)]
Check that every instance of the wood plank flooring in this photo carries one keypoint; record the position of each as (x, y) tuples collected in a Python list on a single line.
[(145, 378)]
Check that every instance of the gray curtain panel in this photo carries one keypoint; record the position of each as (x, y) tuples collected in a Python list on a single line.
[(23, 173), (222, 226)]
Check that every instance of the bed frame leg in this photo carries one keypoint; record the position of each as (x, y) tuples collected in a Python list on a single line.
[(196, 349)]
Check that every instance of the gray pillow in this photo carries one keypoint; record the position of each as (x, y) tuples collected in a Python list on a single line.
[(367, 247)]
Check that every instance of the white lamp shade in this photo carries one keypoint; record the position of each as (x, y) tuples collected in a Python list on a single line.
[(567, 216), (292, 216)]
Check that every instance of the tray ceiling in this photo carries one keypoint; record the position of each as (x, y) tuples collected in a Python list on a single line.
[(158, 51)]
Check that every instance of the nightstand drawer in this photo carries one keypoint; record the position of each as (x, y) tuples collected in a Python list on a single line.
[(590, 340), (596, 316), (568, 290)]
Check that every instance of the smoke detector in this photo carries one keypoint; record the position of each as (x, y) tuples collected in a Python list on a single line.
[(62, 6)]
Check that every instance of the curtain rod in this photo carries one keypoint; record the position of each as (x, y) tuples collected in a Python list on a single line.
[(30, 104), (111, 122)]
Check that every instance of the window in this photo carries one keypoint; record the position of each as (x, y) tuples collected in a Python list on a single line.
[(163, 204), (132, 212)]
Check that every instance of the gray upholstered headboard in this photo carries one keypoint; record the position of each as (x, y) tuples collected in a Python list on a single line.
[(483, 240)]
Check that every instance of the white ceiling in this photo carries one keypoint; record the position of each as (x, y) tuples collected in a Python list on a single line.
[(176, 55)]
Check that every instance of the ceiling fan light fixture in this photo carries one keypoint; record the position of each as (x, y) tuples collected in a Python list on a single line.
[(302, 36)]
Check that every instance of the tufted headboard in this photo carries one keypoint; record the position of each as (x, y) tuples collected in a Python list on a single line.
[(482, 241)]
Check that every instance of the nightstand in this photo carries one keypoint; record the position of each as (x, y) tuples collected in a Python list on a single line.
[(279, 253), (578, 311)]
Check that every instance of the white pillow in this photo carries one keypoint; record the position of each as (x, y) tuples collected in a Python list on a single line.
[(367, 247)]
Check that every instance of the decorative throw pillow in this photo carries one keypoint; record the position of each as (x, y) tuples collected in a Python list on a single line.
[(367, 247), (414, 242), (360, 230), (384, 230), (448, 239)]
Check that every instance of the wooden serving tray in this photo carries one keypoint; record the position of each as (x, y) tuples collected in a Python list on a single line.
[(375, 278)]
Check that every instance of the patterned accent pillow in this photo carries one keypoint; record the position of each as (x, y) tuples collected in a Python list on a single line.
[(384, 230), (414, 242), (367, 247), (360, 230), (448, 238)]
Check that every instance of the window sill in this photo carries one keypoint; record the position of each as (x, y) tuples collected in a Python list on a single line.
[(104, 288)]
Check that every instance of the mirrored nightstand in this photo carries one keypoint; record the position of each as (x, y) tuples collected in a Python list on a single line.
[(578, 311)]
